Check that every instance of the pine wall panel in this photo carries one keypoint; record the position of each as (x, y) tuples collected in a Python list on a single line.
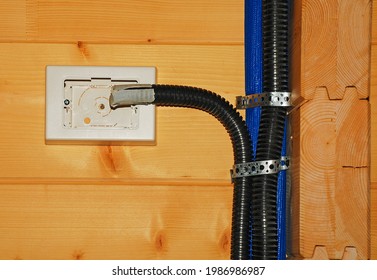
[(168, 201)]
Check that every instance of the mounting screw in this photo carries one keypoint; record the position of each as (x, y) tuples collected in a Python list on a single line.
[(66, 102)]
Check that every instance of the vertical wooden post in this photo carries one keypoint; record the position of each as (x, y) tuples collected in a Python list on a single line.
[(330, 160)]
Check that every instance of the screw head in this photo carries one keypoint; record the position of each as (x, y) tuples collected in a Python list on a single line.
[(66, 102)]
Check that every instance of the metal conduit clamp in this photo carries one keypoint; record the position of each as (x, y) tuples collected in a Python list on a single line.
[(262, 167), (275, 99)]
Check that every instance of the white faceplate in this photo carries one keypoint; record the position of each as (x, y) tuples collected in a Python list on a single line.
[(78, 111)]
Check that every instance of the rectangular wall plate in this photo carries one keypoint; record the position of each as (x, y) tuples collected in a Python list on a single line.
[(78, 110)]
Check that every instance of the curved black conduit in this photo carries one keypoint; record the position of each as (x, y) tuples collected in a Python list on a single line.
[(271, 130), (182, 96)]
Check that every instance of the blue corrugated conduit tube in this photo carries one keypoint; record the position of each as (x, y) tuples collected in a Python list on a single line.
[(266, 70), (253, 67), (282, 204), (181, 96)]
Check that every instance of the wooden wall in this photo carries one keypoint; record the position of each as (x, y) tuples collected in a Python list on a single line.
[(330, 140), (373, 101), (169, 201)]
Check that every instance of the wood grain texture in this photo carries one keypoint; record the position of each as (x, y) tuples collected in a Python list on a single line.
[(353, 53), (373, 221), (150, 21), (190, 144), (12, 20), (331, 138), (335, 46), (333, 166), (320, 253), (373, 102), (374, 23), (114, 222)]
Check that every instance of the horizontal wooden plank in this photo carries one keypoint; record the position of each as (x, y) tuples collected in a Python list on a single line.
[(151, 21), (114, 222), (113, 181), (190, 144), (13, 20)]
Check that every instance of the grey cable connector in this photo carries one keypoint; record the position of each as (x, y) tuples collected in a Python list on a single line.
[(131, 94)]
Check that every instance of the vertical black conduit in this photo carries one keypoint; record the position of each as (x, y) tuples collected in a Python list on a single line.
[(223, 111), (271, 130), (181, 96)]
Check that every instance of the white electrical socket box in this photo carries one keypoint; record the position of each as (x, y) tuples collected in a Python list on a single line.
[(78, 109)]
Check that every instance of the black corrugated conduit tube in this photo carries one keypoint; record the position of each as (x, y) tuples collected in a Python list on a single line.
[(271, 130), (181, 96)]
